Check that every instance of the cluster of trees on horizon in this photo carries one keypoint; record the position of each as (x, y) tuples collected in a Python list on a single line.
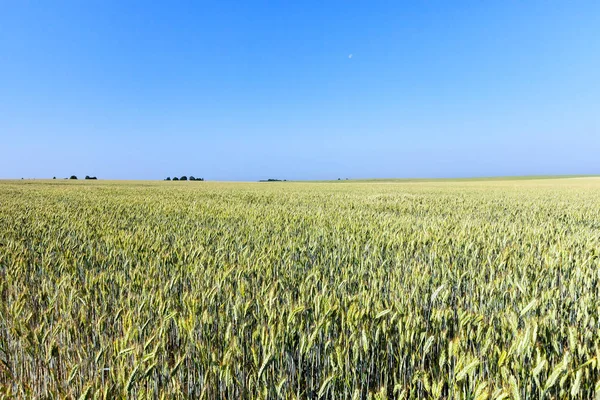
[(184, 178), (74, 177)]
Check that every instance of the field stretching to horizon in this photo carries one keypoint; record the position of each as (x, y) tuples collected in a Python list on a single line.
[(422, 290)]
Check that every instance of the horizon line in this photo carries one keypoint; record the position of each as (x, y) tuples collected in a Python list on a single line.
[(369, 179)]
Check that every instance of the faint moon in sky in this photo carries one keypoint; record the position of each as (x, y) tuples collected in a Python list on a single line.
[(349, 55)]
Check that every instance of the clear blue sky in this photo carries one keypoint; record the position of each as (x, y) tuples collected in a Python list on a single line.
[(251, 90)]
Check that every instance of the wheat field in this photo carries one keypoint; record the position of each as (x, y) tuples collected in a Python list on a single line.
[(442, 289)]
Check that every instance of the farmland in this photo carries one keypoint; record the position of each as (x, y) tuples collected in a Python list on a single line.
[(466, 289)]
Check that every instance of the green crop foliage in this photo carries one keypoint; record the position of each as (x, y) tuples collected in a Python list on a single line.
[(462, 290)]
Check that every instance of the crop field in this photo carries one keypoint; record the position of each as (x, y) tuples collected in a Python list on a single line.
[(458, 290)]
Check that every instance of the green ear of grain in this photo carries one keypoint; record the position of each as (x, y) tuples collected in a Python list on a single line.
[(383, 314), (86, 392), (556, 373), (481, 391), (528, 307), (264, 365), (325, 386), (577, 383), (538, 368), (462, 374), (131, 379)]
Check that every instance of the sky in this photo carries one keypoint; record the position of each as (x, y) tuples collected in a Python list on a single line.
[(324, 89)]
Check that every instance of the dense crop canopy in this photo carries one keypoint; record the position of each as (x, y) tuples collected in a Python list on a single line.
[(300, 290)]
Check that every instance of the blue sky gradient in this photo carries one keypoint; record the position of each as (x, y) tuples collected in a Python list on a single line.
[(253, 90)]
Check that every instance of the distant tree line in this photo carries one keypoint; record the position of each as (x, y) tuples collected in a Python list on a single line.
[(74, 177), (273, 180), (184, 178)]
